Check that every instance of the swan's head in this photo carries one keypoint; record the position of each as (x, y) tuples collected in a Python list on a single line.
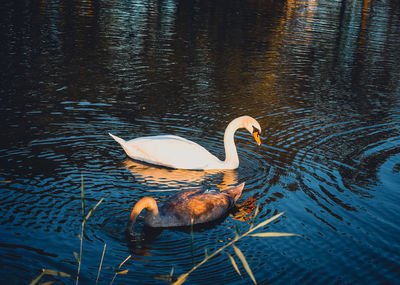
[(253, 127)]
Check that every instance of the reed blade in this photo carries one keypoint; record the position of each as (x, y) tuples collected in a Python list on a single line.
[(82, 197), (244, 262), (272, 234), (126, 259), (253, 219), (234, 263), (267, 221), (92, 210), (49, 272), (56, 273), (101, 263), (36, 280), (181, 279), (76, 256)]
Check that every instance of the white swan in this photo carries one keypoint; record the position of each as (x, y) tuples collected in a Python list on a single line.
[(176, 152)]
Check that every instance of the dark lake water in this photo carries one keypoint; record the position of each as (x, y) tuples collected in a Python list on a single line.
[(321, 77)]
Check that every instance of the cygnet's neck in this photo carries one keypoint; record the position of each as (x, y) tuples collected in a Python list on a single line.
[(147, 203), (231, 156)]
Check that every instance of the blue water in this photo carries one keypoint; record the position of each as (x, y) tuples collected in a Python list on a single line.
[(321, 78)]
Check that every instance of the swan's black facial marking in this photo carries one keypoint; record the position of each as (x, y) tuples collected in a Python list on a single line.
[(256, 130)]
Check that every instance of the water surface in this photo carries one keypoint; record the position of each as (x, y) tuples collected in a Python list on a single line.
[(321, 77)]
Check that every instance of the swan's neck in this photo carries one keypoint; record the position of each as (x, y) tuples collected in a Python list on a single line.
[(147, 203), (231, 156)]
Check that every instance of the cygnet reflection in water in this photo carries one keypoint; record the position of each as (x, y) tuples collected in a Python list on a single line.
[(186, 208)]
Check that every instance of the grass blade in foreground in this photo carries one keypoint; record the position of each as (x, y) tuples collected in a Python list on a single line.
[(82, 197), (121, 272), (271, 234), (79, 258), (49, 272), (246, 266), (101, 263), (182, 278), (267, 221), (234, 263)]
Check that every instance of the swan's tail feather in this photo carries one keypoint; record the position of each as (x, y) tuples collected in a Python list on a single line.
[(129, 149), (117, 139), (235, 192)]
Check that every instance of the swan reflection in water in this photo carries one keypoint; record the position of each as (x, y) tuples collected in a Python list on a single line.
[(175, 178)]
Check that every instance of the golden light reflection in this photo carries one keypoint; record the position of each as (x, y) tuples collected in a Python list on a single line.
[(87, 10), (302, 12), (363, 22), (364, 14), (245, 210)]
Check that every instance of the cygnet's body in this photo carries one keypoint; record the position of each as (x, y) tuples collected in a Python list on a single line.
[(180, 153), (186, 208)]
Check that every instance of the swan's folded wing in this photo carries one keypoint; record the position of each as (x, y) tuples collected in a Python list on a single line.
[(170, 151)]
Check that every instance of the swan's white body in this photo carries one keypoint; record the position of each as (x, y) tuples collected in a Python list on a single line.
[(177, 152)]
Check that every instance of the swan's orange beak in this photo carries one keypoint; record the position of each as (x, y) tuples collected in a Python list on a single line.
[(256, 135)]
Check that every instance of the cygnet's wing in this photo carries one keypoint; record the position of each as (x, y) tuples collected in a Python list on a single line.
[(196, 206)]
